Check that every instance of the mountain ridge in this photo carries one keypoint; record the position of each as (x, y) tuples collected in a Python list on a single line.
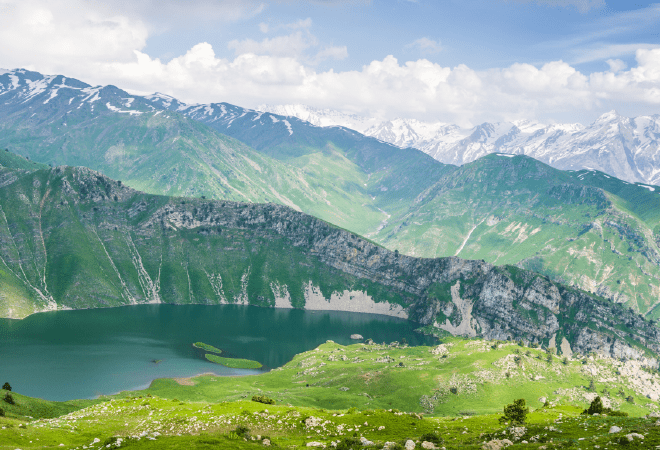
[(623, 147), (74, 238), (400, 198)]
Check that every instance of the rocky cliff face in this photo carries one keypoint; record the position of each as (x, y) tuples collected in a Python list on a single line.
[(72, 238)]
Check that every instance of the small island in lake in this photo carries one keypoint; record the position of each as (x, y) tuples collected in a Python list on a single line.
[(234, 363), (207, 347)]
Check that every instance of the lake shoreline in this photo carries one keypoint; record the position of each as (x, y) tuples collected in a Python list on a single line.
[(106, 351)]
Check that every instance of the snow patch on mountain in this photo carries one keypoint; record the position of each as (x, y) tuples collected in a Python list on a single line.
[(288, 126), (627, 148), (115, 109), (321, 117)]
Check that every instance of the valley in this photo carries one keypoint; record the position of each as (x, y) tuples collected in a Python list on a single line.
[(587, 229), (329, 224), (73, 238)]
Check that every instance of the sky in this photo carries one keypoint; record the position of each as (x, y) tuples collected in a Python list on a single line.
[(455, 61)]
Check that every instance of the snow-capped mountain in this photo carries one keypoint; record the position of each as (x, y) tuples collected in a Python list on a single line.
[(19, 87), (626, 148), (322, 117)]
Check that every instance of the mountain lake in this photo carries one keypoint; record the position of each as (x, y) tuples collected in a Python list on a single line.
[(63, 355)]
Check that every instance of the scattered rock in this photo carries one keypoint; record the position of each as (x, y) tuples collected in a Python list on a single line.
[(653, 415), (266, 442), (614, 429), (517, 432), (496, 444), (365, 442), (410, 445), (428, 445), (316, 444), (312, 421), (632, 436), (357, 337)]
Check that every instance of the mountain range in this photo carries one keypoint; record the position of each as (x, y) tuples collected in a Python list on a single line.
[(626, 148), (73, 238), (583, 228)]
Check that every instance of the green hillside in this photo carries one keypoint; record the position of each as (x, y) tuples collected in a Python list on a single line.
[(452, 394), (580, 228), (72, 238), (11, 160)]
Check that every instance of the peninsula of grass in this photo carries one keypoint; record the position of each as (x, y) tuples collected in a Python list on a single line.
[(234, 363), (207, 347)]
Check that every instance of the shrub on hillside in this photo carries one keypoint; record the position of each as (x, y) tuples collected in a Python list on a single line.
[(515, 412), (9, 399), (349, 443), (2, 412), (597, 407), (6, 387), (263, 399), (592, 386), (242, 431), (432, 437)]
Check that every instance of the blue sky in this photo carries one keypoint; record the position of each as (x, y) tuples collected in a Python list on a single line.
[(480, 34), (457, 61)]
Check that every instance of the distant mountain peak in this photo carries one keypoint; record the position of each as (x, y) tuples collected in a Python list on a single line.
[(609, 116), (601, 145)]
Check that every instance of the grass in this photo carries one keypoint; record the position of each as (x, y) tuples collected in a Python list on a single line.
[(207, 347), (380, 404), (462, 375), (234, 363), (521, 211), (36, 408)]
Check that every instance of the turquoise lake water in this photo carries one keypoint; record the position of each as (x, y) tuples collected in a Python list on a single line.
[(64, 355)]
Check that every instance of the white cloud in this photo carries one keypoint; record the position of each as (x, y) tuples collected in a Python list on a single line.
[(96, 46), (616, 65), (389, 88), (601, 52), (336, 53), (581, 5), (298, 44), (302, 23), (427, 45), (61, 33), (293, 44)]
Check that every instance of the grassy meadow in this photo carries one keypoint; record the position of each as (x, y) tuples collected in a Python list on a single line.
[(366, 395)]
